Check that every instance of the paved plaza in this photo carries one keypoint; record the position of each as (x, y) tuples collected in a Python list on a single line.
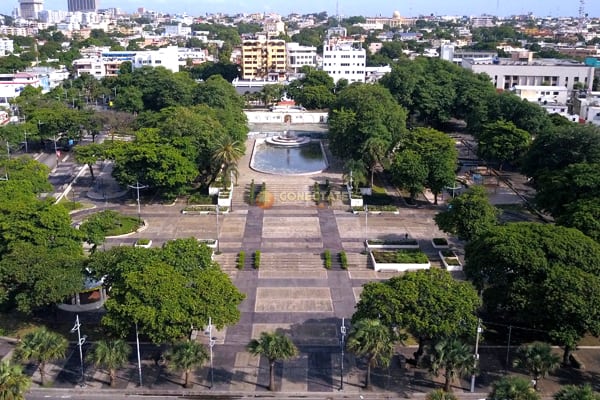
[(291, 292)]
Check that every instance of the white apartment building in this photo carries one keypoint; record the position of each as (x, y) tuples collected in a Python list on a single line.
[(109, 62), (506, 74), (344, 59), (6, 46), (11, 86), (177, 30), (483, 21), (299, 56), (589, 109)]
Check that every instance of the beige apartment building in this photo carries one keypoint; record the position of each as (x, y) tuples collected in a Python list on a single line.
[(264, 59)]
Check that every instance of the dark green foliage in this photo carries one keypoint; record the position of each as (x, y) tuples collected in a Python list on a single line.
[(541, 276), (256, 260), (327, 258), (241, 260), (343, 260)]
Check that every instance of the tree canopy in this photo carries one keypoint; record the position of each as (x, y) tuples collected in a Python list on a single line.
[(166, 291), (429, 304), (540, 276)]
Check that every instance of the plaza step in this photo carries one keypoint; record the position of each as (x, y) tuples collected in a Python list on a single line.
[(296, 261), (284, 194), (357, 260)]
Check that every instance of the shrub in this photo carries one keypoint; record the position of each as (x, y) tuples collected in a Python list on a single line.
[(451, 261), (241, 260), (257, 259), (400, 257), (143, 242), (327, 257), (343, 259), (448, 253), (440, 241), (200, 199), (252, 195)]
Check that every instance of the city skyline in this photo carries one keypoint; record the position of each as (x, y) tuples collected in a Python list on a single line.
[(408, 8)]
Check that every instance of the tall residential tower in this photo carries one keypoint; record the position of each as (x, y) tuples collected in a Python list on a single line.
[(83, 5), (29, 9)]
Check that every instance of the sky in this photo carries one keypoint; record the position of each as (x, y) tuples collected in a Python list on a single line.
[(346, 7)]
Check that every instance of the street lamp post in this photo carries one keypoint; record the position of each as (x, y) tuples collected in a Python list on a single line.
[(26, 149), (476, 355), (366, 224), (80, 342), (218, 245), (211, 343), (137, 187), (137, 342), (342, 345)]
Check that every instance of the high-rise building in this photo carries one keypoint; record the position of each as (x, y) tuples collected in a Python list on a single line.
[(83, 5), (30, 8)]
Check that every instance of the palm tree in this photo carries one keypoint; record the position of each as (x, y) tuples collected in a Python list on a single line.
[(13, 383), (572, 392), (226, 154), (538, 359), (513, 388), (374, 152), (41, 346), (274, 346), (439, 394), (452, 356), (186, 356), (373, 340), (112, 354)]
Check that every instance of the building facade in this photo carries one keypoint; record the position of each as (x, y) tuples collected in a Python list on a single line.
[(397, 21), (506, 73), (344, 59), (82, 5), (264, 59), (6, 46), (11, 86), (29, 9), (299, 56)]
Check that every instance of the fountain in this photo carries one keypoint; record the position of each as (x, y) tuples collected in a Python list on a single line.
[(288, 139)]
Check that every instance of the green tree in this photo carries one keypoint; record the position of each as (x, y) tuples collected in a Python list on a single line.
[(186, 356), (542, 276), (13, 382), (371, 339), (513, 388), (130, 99), (41, 346), (165, 291), (29, 172), (89, 155), (558, 189), (453, 357), (468, 215), (314, 90), (429, 304), (538, 359), (584, 215), (111, 354), (273, 346), (572, 392), (364, 114), (409, 172), (502, 142)]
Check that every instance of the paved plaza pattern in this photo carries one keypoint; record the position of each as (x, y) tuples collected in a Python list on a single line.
[(291, 292)]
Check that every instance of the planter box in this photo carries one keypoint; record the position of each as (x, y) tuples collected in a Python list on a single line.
[(439, 246), (211, 243), (224, 202), (145, 246), (447, 265), (213, 190), (356, 202), (396, 267), (391, 246)]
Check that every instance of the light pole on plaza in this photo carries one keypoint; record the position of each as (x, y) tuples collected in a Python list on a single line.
[(137, 187), (218, 245), (211, 343), (80, 341), (342, 344), (366, 225)]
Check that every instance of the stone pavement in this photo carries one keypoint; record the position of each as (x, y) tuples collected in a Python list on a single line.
[(291, 292)]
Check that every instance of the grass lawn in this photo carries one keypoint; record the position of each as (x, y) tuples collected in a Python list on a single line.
[(110, 223), (400, 257)]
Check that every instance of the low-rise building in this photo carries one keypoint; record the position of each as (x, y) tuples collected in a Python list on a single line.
[(299, 56), (6, 46), (508, 73), (11, 85)]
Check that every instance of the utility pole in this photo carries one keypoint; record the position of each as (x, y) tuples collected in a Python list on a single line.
[(476, 355)]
